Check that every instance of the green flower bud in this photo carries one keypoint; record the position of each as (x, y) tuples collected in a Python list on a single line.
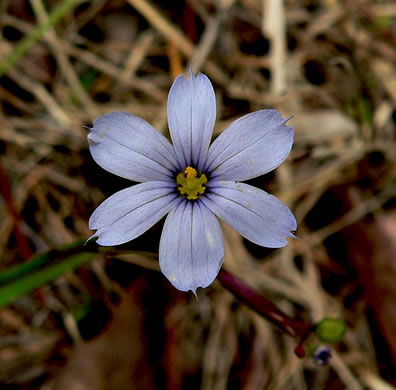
[(330, 330)]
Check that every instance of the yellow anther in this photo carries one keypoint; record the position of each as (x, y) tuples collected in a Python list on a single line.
[(190, 185), (190, 172)]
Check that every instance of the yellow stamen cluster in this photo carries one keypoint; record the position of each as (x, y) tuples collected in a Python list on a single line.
[(190, 185)]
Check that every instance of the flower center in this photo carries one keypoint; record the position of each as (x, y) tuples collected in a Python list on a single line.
[(191, 185)]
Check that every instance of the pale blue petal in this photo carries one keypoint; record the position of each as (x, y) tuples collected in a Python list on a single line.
[(191, 118), (255, 214), (191, 247), (129, 213), (251, 146), (128, 146)]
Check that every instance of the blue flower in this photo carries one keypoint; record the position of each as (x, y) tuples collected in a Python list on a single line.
[(191, 181), (322, 355)]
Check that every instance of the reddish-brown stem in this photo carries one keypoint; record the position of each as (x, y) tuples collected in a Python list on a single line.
[(190, 26), (295, 328)]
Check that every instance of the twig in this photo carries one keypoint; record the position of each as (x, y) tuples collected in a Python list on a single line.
[(56, 111), (136, 56), (63, 61), (208, 39), (345, 374), (274, 24), (112, 70), (96, 62), (35, 35), (353, 215), (174, 35)]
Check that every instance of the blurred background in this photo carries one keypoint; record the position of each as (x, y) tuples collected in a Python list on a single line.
[(115, 322)]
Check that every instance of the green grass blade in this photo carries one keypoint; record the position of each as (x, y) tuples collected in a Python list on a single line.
[(34, 280), (36, 262)]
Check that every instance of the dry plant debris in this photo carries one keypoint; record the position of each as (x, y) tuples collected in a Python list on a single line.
[(329, 64)]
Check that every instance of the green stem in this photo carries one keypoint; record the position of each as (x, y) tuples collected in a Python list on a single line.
[(19, 270), (36, 279)]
